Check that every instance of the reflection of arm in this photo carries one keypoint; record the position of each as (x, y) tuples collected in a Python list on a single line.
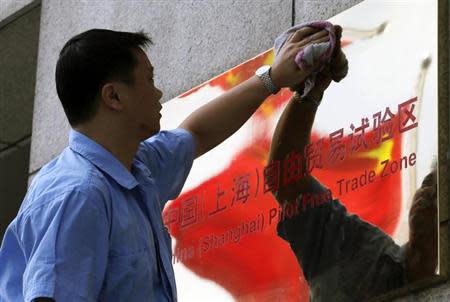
[(335, 249), (325, 234), (292, 133), (315, 231), (293, 130), (308, 233), (343, 258)]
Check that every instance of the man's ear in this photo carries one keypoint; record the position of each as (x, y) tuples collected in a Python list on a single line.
[(110, 97)]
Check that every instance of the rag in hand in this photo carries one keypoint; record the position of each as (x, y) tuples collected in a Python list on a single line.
[(317, 53)]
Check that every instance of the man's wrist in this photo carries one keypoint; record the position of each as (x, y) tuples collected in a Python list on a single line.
[(274, 76), (265, 75)]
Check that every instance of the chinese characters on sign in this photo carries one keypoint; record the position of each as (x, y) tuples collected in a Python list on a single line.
[(324, 151)]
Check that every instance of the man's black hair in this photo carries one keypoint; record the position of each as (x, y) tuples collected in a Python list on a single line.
[(90, 59)]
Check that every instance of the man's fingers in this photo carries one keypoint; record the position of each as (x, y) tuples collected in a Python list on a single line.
[(318, 35), (313, 37), (310, 69), (302, 33), (319, 40), (289, 39)]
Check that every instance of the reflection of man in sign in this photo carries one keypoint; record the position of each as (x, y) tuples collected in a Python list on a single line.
[(344, 258)]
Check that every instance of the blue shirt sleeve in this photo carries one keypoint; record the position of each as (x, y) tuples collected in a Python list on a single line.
[(65, 241), (169, 156)]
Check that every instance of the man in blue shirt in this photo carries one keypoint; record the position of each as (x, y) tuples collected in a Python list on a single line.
[(90, 225)]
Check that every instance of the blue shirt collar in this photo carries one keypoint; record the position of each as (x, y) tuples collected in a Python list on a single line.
[(101, 158)]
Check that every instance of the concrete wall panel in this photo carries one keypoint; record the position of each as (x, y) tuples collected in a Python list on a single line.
[(13, 181), (9, 8), (311, 10), (18, 57)]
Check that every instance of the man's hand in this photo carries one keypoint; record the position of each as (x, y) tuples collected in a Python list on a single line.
[(336, 71), (284, 72)]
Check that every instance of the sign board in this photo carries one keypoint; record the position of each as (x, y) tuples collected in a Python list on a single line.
[(374, 140)]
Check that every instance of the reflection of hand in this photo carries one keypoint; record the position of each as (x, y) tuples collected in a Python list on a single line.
[(339, 66), (284, 72), (339, 63)]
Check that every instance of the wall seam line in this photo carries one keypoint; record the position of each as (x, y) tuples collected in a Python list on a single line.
[(293, 13)]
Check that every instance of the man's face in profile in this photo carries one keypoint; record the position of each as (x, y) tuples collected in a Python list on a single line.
[(141, 99)]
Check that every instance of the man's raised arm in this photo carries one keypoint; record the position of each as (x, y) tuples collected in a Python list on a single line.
[(214, 122)]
